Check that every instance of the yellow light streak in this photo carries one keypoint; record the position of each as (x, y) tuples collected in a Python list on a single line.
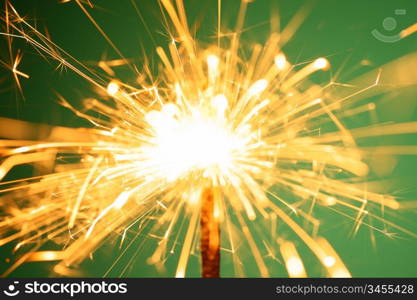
[(254, 129)]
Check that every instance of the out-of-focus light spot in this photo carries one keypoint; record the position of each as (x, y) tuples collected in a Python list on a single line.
[(212, 61), (330, 201), (280, 61), (321, 63), (329, 261), (341, 273), (258, 87), (112, 88), (220, 103), (295, 266)]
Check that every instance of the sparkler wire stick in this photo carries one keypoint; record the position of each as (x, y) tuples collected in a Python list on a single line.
[(210, 236)]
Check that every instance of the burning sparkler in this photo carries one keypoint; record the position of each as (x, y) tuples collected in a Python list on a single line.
[(216, 140)]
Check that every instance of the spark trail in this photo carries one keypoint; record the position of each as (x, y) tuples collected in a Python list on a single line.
[(271, 145)]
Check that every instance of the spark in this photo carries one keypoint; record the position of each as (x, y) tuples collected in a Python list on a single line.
[(408, 31), (241, 134), (292, 260)]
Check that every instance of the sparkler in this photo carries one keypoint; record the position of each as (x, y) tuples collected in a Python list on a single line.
[(216, 138)]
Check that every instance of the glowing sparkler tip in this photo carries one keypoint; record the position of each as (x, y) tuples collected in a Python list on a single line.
[(196, 141)]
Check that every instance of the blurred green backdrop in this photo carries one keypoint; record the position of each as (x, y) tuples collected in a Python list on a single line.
[(340, 30)]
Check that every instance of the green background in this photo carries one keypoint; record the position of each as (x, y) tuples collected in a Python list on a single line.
[(340, 30)]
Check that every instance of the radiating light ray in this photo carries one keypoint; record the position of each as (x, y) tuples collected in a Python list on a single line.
[(293, 262), (408, 31), (255, 130)]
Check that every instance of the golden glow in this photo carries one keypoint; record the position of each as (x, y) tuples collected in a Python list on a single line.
[(272, 144), (198, 142)]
